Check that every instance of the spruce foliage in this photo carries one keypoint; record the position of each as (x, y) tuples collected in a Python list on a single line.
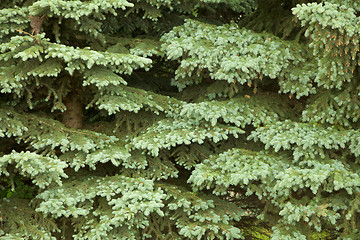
[(162, 119)]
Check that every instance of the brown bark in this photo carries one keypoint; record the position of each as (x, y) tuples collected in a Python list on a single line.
[(73, 116)]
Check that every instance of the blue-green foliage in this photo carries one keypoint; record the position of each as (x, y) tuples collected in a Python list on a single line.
[(163, 119), (237, 56)]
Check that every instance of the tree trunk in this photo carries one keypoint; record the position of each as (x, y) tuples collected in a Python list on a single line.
[(73, 116)]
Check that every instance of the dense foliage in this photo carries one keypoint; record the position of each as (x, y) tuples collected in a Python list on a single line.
[(179, 119)]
